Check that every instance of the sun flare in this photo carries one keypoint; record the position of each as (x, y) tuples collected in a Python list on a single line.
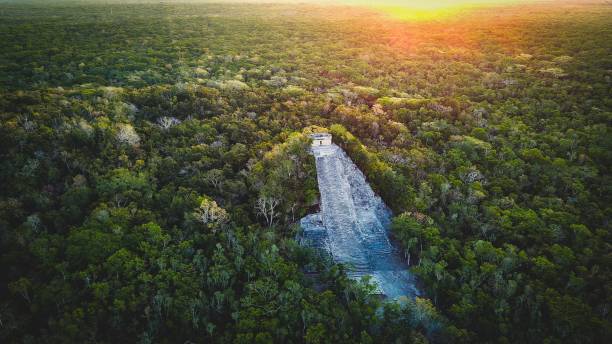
[(420, 10)]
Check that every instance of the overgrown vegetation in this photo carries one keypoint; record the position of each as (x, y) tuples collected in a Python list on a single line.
[(154, 161)]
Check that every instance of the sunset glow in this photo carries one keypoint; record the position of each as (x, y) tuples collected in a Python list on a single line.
[(419, 10)]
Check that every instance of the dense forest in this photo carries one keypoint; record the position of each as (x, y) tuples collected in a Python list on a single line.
[(154, 162)]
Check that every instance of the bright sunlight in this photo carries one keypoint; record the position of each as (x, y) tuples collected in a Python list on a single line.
[(424, 10)]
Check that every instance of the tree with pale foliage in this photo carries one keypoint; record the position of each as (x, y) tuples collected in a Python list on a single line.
[(165, 123), (211, 215), (126, 134), (378, 110)]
